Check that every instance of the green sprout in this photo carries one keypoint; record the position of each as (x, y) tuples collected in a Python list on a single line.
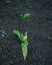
[(24, 42), (23, 38)]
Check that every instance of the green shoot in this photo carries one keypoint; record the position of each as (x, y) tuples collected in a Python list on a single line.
[(24, 42), (23, 38)]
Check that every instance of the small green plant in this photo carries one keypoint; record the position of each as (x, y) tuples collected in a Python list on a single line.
[(24, 42), (23, 38)]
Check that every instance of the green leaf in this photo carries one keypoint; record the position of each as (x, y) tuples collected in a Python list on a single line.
[(26, 16), (20, 35)]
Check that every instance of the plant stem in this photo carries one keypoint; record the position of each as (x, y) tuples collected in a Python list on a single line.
[(20, 22), (19, 28)]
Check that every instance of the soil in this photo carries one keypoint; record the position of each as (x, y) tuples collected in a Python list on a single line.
[(38, 26)]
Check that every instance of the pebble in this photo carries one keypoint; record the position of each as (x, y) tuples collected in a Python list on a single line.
[(17, 9), (8, 1), (44, 59), (3, 33), (15, 56), (50, 38), (21, 15), (29, 5), (11, 62)]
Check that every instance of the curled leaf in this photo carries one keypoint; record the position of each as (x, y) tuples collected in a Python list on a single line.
[(18, 34), (26, 16)]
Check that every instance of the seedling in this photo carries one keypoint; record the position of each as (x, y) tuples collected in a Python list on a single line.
[(23, 38), (24, 42)]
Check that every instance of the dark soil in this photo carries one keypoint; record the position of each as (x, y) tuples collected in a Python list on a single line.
[(38, 26)]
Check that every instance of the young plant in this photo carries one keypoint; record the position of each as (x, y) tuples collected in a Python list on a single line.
[(24, 42), (23, 38)]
